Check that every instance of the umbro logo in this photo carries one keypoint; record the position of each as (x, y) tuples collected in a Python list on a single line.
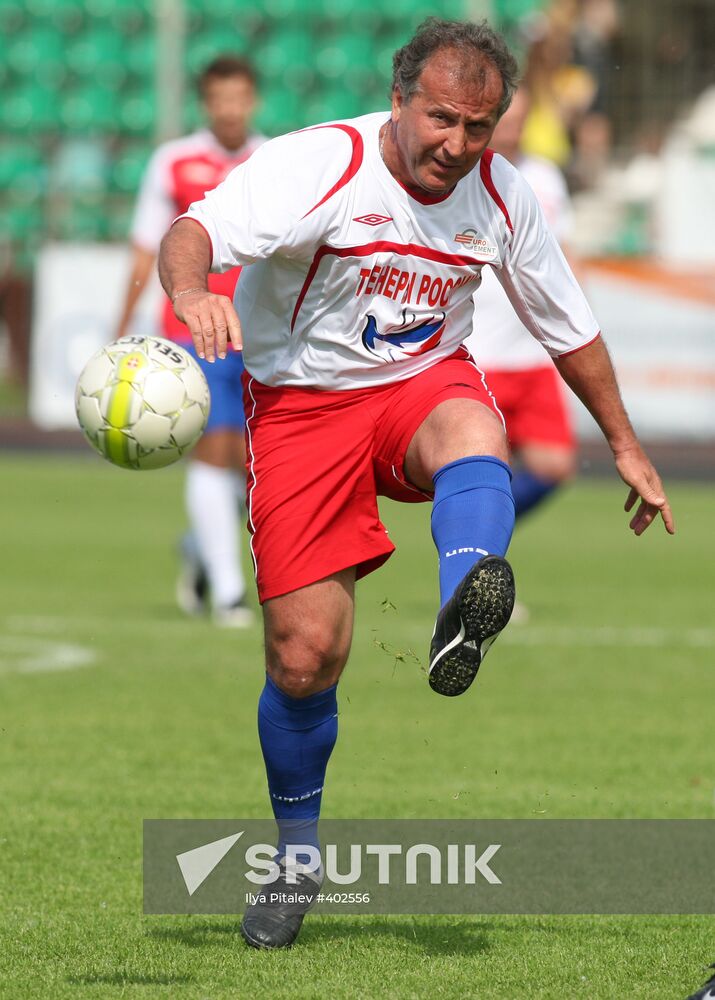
[(373, 219)]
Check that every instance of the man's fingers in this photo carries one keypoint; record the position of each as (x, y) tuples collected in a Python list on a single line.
[(211, 319), (197, 336), (647, 513), (668, 519), (631, 499), (234, 328), (220, 328), (207, 332)]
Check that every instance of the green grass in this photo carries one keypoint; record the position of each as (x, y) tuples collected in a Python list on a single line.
[(597, 708)]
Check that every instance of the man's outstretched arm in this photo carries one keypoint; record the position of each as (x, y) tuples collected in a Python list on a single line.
[(590, 374), (184, 263)]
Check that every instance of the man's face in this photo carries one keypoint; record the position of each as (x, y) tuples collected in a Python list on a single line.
[(446, 125), (229, 103)]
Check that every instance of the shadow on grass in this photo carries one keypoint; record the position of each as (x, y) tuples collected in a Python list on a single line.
[(127, 979), (441, 936)]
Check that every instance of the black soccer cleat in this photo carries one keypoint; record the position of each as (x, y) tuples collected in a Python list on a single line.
[(706, 992), (469, 623), (276, 918)]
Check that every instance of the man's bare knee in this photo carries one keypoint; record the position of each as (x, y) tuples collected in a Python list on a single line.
[(556, 464), (308, 634), (306, 659)]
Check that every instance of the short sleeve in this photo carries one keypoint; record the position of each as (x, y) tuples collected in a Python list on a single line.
[(266, 205)]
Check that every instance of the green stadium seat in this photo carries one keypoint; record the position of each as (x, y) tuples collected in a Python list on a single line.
[(67, 15), (137, 112), (37, 53), (336, 102), (30, 107), (13, 14), (22, 167), (81, 218), (98, 54), (20, 218), (358, 57), (128, 167), (208, 44), (90, 108), (118, 218), (141, 55), (289, 56), (281, 110)]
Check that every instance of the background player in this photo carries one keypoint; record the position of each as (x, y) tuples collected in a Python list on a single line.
[(519, 372), (179, 173)]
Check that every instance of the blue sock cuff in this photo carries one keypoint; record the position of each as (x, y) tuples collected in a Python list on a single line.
[(470, 473), (297, 713)]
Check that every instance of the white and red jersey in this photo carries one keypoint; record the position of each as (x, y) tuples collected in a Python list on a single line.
[(500, 340), (179, 173), (355, 280)]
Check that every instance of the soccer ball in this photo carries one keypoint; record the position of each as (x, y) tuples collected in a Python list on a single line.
[(142, 402)]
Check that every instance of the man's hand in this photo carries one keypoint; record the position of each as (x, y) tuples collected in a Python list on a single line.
[(211, 319), (636, 470)]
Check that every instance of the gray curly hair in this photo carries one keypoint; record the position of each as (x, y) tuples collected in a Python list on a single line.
[(466, 36)]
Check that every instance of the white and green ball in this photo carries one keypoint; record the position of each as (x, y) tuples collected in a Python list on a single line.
[(142, 402)]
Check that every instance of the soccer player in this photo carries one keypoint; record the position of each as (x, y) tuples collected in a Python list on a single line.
[(518, 371), (355, 306), (178, 174)]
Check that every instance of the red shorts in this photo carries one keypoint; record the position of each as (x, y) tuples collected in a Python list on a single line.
[(318, 460), (533, 404)]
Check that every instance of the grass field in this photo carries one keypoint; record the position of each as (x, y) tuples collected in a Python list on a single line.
[(113, 708)]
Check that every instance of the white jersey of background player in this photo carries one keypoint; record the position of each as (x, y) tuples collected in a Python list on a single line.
[(356, 280), (520, 374)]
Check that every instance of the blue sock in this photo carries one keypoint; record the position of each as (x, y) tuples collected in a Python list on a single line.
[(297, 737), (472, 516), (529, 490)]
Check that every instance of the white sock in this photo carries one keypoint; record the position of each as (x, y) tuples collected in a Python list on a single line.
[(213, 514)]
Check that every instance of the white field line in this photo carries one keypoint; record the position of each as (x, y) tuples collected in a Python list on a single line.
[(608, 635), (24, 654), (694, 637)]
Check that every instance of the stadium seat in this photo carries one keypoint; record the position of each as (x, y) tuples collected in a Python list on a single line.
[(207, 45), (22, 167), (98, 54), (20, 219), (281, 110), (118, 218), (336, 102), (29, 107), (13, 14), (140, 56), (37, 53), (80, 219), (289, 57), (128, 167), (91, 108), (358, 57), (137, 112)]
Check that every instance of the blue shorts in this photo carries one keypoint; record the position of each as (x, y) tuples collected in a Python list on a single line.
[(224, 379)]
